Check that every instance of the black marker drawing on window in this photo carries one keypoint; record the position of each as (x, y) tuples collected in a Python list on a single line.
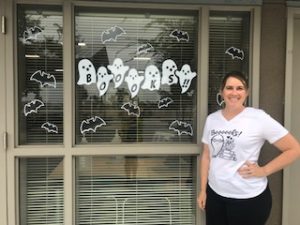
[(31, 33), (112, 34), (235, 53), (50, 127), (91, 124), (44, 79), (181, 127), (131, 109), (32, 106), (144, 48), (180, 35)]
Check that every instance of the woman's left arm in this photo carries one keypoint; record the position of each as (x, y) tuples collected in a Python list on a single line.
[(290, 149)]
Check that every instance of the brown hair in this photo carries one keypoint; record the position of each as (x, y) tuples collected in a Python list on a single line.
[(236, 74)]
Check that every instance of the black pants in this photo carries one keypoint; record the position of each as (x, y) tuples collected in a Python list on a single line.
[(231, 211)]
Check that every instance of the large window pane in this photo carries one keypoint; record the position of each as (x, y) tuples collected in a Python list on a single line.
[(229, 40), (135, 75), (135, 190), (41, 191), (40, 74)]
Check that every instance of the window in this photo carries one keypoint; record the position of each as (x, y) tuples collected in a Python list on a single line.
[(229, 41), (135, 190), (41, 191), (136, 75), (40, 74)]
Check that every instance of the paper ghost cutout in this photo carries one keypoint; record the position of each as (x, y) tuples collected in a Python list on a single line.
[(44, 79), (181, 127), (168, 72), (50, 127), (180, 35), (32, 106), (235, 53), (164, 102), (112, 34), (91, 124), (152, 78), (103, 80), (134, 82), (131, 109), (185, 77), (118, 70), (87, 72)]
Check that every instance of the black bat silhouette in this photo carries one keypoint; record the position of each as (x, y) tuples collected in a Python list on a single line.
[(33, 106), (164, 102), (180, 35), (235, 53), (144, 48), (181, 127), (31, 33), (91, 124), (112, 34), (131, 109), (50, 127), (43, 78)]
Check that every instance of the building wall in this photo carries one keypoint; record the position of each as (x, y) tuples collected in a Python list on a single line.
[(272, 76)]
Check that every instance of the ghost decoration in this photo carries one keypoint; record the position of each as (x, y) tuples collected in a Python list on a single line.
[(87, 72), (134, 82), (152, 78), (118, 69), (103, 80), (168, 72), (185, 77)]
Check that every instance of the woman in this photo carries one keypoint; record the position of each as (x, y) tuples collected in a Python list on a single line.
[(234, 188)]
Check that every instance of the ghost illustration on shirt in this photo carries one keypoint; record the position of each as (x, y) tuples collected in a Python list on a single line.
[(152, 78), (185, 77), (168, 72), (103, 80), (118, 69), (87, 72), (134, 82)]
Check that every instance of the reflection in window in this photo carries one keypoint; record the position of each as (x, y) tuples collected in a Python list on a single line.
[(40, 74), (136, 75), (41, 191), (229, 40), (135, 190)]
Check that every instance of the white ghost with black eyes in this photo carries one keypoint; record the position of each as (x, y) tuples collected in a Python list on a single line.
[(87, 72), (103, 80), (118, 69), (152, 78), (134, 82), (185, 77), (168, 72)]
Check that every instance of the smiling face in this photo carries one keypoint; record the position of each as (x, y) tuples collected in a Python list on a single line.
[(234, 93)]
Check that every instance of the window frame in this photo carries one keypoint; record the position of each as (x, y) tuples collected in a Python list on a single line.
[(68, 149)]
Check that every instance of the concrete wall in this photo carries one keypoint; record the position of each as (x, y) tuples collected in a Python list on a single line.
[(272, 81)]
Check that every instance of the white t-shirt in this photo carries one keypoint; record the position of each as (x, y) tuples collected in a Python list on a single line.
[(232, 143)]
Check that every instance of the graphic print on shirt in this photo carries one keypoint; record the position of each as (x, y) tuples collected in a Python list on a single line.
[(223, 144)]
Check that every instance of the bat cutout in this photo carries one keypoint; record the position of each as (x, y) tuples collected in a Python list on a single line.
[(164, 102), (235, 53), (112, 34), (33, 106), (190, 93), (219, 99), (144, 48), (181, 127), (91, 124), (50, 127), (31, 33), (131, 109), (45, 79), (180, 35)]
